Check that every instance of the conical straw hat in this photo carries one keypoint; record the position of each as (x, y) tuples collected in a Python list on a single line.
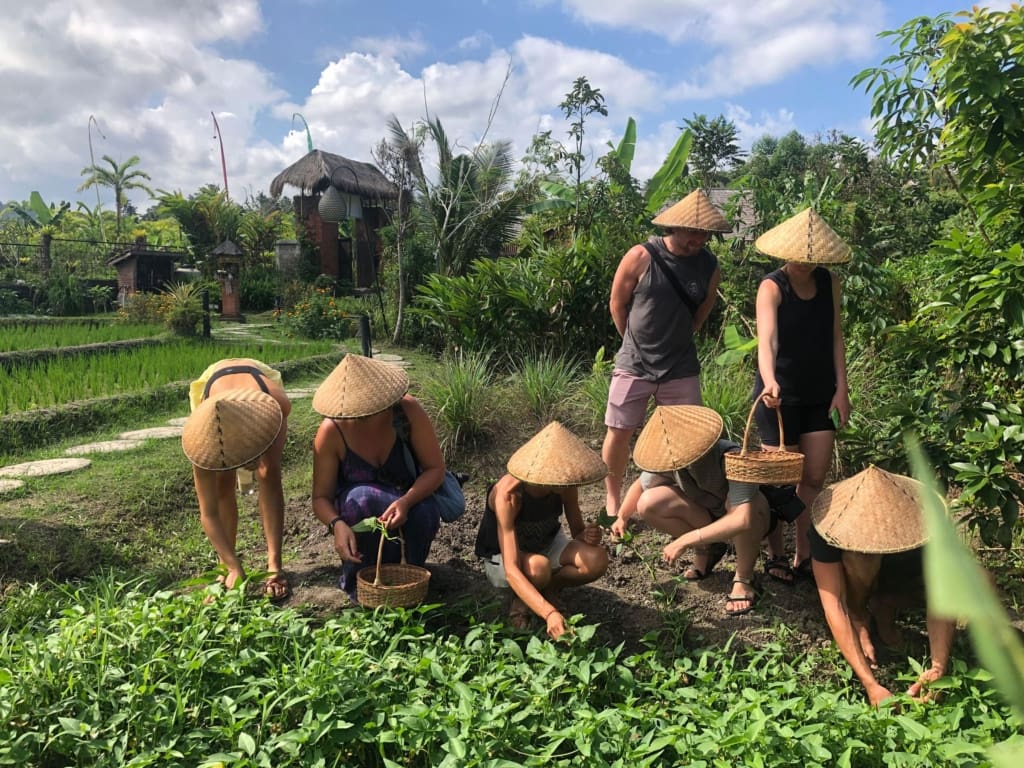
[(676, 436), (555, 456), (873, 512), (360, 386), (231, 429), (805, 237), (695, 211)]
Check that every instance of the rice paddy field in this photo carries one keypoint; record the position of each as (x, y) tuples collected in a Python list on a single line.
[(59, 381), (20, 336)]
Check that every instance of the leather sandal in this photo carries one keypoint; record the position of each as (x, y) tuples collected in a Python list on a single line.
[(750, 600)]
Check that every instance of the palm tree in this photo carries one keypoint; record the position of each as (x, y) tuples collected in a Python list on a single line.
[(471, 210), (119, 178)]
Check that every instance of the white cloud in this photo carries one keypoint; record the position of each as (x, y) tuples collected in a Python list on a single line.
[(750, 130), (753, 43), (477, 41), (462, 94), (146, 70), (392, 47)]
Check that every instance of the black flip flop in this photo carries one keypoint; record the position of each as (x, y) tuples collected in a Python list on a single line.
[(777, 564), (716, 552)]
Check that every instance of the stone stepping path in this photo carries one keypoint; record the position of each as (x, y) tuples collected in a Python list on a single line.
[(299, 393), (44, 467), (105, 446), (10, 485), (153, 433), (178, 421)]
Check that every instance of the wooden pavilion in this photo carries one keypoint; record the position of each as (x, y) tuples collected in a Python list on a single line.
[(367, 198)]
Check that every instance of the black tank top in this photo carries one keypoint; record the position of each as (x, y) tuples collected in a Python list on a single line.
[(804, 366), (538, 521)]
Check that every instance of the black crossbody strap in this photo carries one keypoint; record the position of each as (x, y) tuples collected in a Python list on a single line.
[(673, 280)]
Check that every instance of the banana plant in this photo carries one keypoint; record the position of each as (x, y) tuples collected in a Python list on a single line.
[(37, 214), (560, 196)]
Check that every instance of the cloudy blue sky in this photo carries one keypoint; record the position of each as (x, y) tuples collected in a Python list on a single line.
[(150, 72)]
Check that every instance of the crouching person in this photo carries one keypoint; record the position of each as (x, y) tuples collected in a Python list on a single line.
[(866, 544), (521, 539), (683, 492)]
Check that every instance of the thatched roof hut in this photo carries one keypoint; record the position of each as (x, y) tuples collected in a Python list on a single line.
[(318, 170)]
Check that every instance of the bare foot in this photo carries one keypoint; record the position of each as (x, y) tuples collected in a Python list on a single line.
[(276, 587)]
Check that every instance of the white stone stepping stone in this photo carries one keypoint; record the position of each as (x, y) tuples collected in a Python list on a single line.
[(387, 357), (105, 446), (299, 393), (178, 421), (10, 485), (44, 467), (154, 433)]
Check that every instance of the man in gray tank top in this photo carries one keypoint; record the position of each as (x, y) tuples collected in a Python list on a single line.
[(662, 293)]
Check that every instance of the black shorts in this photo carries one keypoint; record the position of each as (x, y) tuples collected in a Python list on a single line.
[(796, 420)]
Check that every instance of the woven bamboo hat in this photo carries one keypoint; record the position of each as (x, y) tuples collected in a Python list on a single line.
[(805, 237), (874, 512), (231, 429), (676, 436), (555, 456), (360, 386), (695, 211)]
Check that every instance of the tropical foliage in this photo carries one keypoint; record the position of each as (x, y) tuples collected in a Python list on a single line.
[(120, 178)]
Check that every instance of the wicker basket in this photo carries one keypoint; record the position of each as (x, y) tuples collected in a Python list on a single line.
[(396, 585), (779, 467)]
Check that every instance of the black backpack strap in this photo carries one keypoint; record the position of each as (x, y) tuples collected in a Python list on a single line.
[(673, 280)]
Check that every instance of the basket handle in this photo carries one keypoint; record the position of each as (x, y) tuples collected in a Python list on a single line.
[(380, 554), (750, 418)]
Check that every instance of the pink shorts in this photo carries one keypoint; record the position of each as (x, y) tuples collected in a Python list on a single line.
[(628, 397)]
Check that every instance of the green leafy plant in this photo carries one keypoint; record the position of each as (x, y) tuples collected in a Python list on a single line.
[(182, 308), (460, 398), (319, 316), (545, 381), (958, 588), (592, 390)]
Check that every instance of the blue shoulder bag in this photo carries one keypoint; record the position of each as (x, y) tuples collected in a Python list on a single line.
[(451, 501)]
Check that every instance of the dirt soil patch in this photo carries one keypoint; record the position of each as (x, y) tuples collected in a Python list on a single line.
[(637, 595)]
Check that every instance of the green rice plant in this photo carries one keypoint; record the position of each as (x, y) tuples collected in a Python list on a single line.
[(25, 336), (459, 396), (727, 389), (56, 382), (591, 395), (546, 382)]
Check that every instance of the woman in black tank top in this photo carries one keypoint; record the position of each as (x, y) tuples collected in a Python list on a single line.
[(801, 359)]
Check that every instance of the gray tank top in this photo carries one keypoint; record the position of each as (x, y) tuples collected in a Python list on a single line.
[(658, 342)]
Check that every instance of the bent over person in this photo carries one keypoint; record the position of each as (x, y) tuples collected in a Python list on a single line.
[(683, 492), (521, 539), (239, 421), (662, 293), (866, 544)]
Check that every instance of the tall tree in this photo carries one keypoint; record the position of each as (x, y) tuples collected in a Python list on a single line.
[(470, 205), (715, 149), (579, 103), (118, 177)]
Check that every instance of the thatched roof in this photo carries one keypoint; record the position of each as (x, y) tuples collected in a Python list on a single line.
[(737, 205), (317, 170), (227, 248)]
